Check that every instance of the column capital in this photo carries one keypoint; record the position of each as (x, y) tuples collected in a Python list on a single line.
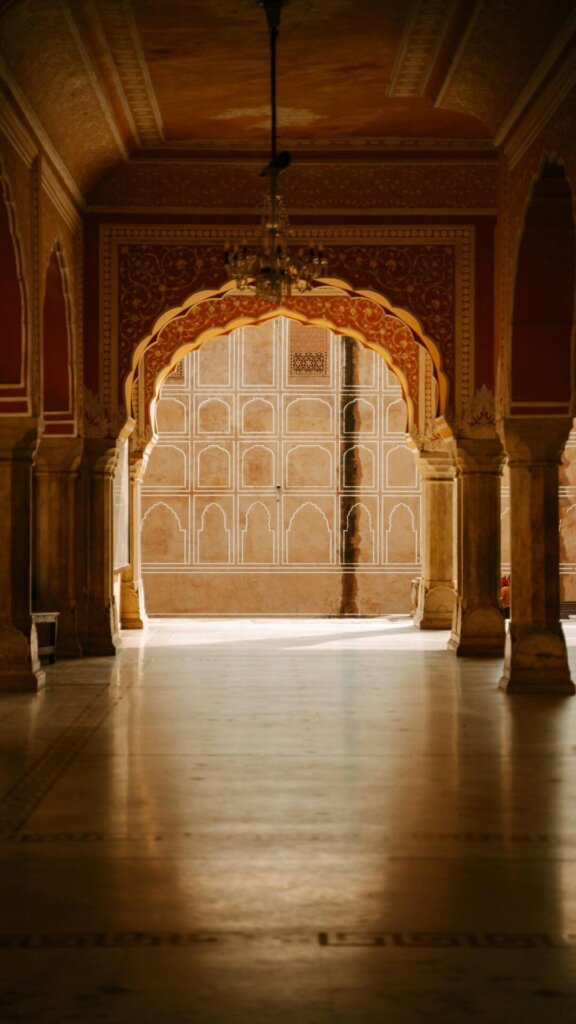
[(480, 455), (19, 436), (535, 440), (100, 455), (437, 463), (58, 454)]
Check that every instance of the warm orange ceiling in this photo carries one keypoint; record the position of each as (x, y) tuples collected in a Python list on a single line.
[(208, 67), (112, 79)]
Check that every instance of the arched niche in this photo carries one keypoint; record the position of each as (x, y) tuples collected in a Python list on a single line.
[(543, 307), (57, 346), (13, 329)]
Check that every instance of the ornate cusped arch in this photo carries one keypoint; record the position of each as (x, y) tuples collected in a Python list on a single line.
[(367, 316)]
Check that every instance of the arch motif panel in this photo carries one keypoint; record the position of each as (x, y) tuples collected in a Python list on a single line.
[(258, 536), (214, 416), (359, 467), (257, 467), (258, 416), (401, 469), (309, 465), (308, 416), (163, 538), (214, 539), (401, 537), (167, 467), (359, 535), (213, 467), (171, 416), (308, 537)]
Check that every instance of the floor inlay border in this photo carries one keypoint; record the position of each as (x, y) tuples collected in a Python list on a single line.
[(19, 802), (404, 940)]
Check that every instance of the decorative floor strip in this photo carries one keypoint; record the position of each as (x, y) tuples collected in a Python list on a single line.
[(448, 940), (504, 941), (479, 838), (22, 799)]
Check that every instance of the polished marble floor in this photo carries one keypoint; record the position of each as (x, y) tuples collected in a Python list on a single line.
[(263, 822)]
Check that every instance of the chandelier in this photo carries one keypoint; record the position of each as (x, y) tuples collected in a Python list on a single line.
[(270, 267)]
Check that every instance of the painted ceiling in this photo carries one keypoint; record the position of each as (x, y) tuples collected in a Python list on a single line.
[(113, 79)]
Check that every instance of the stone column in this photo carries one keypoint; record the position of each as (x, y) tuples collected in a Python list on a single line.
[(99, 632), (56, 537), (436, 593), (132, 611), (19, 665), (478, 628), (535, 655)]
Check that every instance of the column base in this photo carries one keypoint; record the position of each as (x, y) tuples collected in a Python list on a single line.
[(20, 670), (436, 603), (132, 614), (477, 632), (536, 662), (103, 638), (67, 643)]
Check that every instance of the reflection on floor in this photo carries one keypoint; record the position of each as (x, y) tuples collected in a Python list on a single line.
[(261, 822)]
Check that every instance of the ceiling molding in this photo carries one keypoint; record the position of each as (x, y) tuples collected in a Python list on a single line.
[(95, 83), (41, 135), (59, 197), (420, 46), (121, 31), (15, 132), (472, 18), (537, 81)]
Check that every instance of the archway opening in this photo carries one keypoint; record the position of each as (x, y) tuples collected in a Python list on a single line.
[(282, 481)]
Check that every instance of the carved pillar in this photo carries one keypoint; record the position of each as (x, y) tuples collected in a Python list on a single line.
[(56, 537), (19, 665), (436, 594), (132, 611), (535, 657), (99, 632), (478, 628)]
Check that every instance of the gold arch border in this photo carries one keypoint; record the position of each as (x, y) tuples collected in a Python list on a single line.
[(175, 318)]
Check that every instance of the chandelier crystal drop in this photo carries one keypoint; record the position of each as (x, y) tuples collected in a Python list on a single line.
[(271, 267)]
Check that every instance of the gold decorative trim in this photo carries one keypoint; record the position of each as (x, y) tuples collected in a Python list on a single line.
[(461, 237), (121, 32), (419, 48), (65, 206)]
